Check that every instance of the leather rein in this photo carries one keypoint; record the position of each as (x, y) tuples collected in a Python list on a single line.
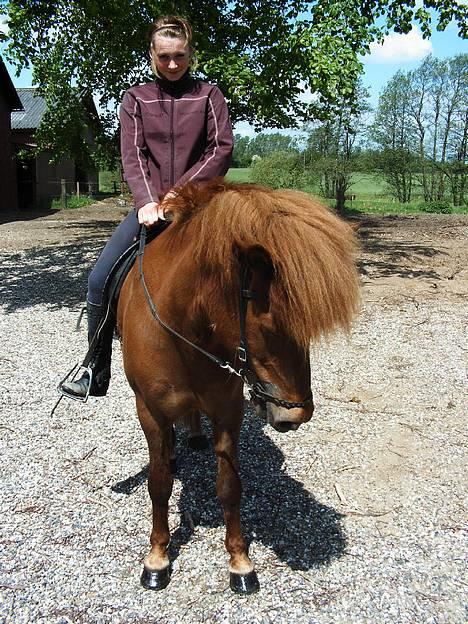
[(255, 387)]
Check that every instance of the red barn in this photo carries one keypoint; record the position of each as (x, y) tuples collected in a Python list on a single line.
[(31, 181), (9, 101)]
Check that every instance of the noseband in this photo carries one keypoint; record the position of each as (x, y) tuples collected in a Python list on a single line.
[(255, 387)]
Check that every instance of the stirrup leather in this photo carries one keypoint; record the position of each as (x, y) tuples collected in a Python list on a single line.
[(71, 376)]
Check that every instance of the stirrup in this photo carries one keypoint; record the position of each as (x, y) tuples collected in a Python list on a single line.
[(73, 373)]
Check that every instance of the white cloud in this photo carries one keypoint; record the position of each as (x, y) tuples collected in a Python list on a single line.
[(398, 48), (244, 128), (4, 24)]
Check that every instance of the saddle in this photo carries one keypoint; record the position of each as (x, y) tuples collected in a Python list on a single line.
[(121, 268)]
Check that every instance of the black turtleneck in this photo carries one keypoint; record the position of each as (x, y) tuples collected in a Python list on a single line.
[(176, 88)]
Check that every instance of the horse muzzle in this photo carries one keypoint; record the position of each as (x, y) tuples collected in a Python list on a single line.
[(283, 418)]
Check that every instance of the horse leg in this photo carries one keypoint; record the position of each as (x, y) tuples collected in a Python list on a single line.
[(156, 570), (197, 439), (243, 578)]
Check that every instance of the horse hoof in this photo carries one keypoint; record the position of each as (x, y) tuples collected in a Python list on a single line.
[(198, 442), (155, 579), (244, 583)]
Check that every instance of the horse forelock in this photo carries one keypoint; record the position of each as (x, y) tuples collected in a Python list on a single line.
[(314, 290)]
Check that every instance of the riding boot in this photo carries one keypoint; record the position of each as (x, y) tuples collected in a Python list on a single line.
[(100, 333)]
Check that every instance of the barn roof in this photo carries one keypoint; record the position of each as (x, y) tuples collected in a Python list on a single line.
[(34, 108), (8, 88)]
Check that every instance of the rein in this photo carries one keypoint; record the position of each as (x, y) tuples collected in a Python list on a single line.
[(248, 376)]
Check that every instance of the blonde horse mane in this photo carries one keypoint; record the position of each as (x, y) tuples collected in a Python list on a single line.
[(315, 285)]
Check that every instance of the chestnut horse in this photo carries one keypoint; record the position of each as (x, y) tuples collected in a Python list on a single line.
[(251, 276)]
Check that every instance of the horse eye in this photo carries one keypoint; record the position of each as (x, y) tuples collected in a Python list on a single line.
[(269, 329)]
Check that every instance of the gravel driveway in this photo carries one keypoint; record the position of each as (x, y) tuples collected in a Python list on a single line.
[(360, 516)]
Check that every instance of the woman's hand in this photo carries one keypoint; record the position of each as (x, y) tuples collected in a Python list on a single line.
[(150, 213)]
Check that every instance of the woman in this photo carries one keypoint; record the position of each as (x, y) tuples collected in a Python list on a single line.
[(173, 130)]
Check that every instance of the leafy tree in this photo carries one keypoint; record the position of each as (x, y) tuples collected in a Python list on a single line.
[(263, 144), (453, 159), (332, 150), (241, 156), (263, 54), (421, 130), (394, 134)]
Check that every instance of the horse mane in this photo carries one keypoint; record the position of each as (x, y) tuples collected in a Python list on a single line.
[(315, 282)]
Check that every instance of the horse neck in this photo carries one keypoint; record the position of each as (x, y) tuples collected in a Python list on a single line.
[(195, 300)]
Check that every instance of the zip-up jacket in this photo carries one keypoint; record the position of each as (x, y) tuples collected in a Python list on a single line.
[(172, 133)]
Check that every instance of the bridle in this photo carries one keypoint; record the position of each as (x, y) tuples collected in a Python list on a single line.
[(255, 387)]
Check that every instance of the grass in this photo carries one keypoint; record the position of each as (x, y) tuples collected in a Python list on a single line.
[(74, 202), (371, 193), (109, 181), (239, 175)]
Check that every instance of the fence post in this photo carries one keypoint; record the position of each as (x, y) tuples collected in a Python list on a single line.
[(78, 190), (63, 184)]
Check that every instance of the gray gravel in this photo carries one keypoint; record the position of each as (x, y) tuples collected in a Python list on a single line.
[(360, 516)]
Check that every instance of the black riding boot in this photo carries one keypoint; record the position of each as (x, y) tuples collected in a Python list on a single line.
[(98, 359)]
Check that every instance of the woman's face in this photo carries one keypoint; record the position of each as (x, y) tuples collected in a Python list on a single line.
[(171, 57)]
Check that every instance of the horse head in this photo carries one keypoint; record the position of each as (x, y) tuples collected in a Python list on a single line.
[(277, 362)]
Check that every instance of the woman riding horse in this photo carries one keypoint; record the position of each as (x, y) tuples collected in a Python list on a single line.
[(173, 130)]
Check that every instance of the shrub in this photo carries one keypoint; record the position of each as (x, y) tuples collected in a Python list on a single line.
[(441, 206), (278, 170), (73, 202)]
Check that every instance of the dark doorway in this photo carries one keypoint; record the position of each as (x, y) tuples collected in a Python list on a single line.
[(26, 177)]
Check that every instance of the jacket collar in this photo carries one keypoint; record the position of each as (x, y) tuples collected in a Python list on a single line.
[(176, 88)]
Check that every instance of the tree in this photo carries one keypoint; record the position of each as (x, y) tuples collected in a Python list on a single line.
[(421, 130), (263, 54), (392, 131), (241, 156), (453, 160), (263, 144), (332, 151)]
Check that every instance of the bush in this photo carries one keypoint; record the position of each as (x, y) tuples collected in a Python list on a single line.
[(279, 170), (73, 202), (441, 206)]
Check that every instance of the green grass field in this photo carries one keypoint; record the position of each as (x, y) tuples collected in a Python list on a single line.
[(239, 175), (371, 194)]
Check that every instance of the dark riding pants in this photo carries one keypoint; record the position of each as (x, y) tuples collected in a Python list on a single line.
[(125, 234)]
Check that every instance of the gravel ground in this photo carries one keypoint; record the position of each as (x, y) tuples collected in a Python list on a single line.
[(360, 516)]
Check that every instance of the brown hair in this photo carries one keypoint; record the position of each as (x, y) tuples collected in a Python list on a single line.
[(172, 26)]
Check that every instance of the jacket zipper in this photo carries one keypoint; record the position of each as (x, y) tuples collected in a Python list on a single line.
[(172, 143)]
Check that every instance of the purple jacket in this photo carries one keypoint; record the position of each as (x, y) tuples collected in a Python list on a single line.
[(172, 133)]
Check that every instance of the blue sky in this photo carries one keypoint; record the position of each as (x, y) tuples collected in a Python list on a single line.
[(399, 52)]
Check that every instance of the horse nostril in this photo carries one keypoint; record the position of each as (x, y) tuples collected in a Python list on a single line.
[(285, 425)]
